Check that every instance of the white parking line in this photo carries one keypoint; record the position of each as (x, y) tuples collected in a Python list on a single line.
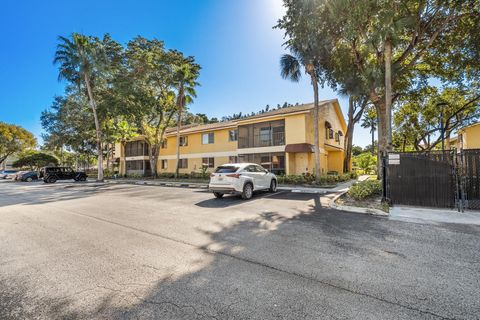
[(274, 194)]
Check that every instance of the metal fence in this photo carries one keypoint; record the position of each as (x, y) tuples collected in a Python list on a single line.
[(447, 179)]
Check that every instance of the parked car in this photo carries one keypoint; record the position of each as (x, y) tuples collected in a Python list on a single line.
[(8, 174), (242, 179), (27, 176), (52, 174)]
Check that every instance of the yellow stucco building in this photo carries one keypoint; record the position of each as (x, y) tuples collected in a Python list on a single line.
[(467, 137), (281, 140)]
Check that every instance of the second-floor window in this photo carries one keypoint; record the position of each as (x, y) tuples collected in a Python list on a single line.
[(208, 162), (183, 141), (263, 134), (136, 148), (164, 144), (233, 135), (208, 138)]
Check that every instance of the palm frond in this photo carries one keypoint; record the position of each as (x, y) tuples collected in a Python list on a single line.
[(290, 68)]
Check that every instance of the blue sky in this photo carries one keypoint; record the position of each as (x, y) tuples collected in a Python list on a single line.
[(232, 40)]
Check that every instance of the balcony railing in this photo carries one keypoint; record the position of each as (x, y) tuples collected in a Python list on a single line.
[(262, 140)]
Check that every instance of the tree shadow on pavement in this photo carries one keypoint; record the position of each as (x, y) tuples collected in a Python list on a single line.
[(319, 264)]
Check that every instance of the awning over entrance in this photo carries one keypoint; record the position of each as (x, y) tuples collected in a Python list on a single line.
[(299, 147)]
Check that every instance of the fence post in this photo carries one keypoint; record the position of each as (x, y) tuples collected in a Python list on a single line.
[(384, 179)]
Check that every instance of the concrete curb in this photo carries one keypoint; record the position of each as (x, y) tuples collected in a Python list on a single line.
[(370, 211), (162, 184)]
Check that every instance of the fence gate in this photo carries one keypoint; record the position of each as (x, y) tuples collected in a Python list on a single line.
[(469, 173), (421, 179), (445, 179)]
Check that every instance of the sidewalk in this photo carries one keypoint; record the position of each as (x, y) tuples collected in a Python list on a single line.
[(429, 215), (342, 187)]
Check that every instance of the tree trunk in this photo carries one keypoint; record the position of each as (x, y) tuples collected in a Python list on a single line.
[(97, 129), (124, 156), (348, 143), (316, 134), (179, 119), (388, 95), (373, 140), (180, 105)]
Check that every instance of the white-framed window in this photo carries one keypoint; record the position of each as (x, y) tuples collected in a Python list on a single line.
[(208, 162), (233, 159), (208, 138), (183, 141), (183, 164), (233, 135), (164, 164)]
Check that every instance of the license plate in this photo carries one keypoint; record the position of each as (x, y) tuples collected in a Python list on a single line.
[(220, 178)]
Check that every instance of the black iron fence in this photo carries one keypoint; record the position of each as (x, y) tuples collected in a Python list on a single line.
[(447, 179)]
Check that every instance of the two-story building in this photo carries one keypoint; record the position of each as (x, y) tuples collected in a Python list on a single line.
[(280, 140), (467, 137)]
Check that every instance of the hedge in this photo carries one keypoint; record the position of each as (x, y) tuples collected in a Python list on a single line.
[(365, 189)]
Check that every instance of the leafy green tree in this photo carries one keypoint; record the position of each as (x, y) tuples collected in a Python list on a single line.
[(426, 117), (81, 59), (185, 74), (14, 139), (356, 150), (291, 68), (369, 121), (146, 91), (366, 162), (387, 46), (35, 160)]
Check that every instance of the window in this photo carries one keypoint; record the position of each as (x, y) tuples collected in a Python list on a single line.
[(183, 164), (233, 159), (233, 135), (226, 169), (164, 144), (207, 138), (328, 130), (265, 135), (337, 137), (136, 148), (164, 164), (183, 141), (135, 165), (208, 162)]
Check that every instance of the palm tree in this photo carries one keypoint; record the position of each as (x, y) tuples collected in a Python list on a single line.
[(369, 121), (80, 59), (186, 73), (291, 65)]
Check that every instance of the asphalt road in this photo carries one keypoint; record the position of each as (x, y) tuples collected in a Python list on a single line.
[(88, 251)]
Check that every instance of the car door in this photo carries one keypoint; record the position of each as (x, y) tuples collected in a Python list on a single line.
[(251, 172), (263, 177)]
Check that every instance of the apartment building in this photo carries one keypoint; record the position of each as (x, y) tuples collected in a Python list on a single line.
[(468, 137), (280, 140)]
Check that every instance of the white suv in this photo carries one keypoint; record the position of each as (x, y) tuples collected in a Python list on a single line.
[(241, 178)]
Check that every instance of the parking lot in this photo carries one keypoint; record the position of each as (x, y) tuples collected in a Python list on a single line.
[(88, 251)]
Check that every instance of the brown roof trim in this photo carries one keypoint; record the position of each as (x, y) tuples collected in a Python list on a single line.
[(299, 147)]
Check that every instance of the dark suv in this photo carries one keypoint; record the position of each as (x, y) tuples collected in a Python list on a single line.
[(52, 174)]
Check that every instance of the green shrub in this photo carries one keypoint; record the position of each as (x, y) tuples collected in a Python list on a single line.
[(308, 178), (365, 189)]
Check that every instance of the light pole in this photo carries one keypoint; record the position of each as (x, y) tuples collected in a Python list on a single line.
[(442, 127)]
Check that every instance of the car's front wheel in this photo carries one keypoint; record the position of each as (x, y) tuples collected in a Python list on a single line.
[(52, 179), (29, 179), (247, 191), (218, 195), (273, 186)]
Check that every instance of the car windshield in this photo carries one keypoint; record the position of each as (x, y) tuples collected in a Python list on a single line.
[(226, 169)]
